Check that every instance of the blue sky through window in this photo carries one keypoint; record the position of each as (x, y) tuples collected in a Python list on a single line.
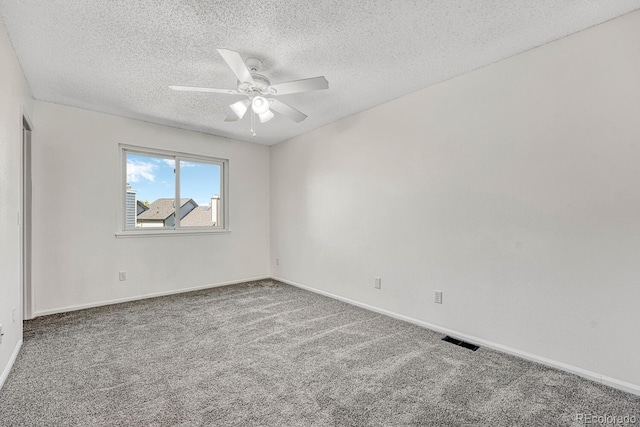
[(153, 178)]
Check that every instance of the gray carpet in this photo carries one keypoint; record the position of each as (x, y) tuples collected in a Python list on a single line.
[(268, 354)]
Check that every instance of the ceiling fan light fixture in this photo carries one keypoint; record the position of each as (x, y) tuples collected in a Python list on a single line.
[(266, 116), (260, 105), (240, 107)]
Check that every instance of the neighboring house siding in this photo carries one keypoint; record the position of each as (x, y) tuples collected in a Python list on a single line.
[(187, 207), (170, 221), (131, 209), (141, 207)]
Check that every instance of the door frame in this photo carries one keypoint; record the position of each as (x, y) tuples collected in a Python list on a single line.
[(25, 216)]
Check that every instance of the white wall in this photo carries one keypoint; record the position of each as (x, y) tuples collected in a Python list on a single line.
[(514, 189), (15, 97), (76, 203)]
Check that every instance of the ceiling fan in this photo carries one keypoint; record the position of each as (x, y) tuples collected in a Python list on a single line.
[(259, 91)]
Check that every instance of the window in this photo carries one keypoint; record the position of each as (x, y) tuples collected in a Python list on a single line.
[(170, 192)]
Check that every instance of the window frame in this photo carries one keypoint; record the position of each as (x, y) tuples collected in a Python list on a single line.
[(222, 227)]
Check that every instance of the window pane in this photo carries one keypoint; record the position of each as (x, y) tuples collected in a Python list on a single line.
[(200, 194), (150, 191)]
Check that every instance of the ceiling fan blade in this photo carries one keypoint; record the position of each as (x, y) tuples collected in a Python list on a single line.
[(304, 85), (285, 110), (231, 117), (204, 89), (237, 65), (240, 107), (266, 116)]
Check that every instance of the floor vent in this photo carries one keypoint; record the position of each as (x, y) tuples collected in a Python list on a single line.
[(464, 344)]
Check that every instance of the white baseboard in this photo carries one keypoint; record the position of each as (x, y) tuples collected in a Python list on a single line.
[(12, 359), (593, 376), (139, 297)]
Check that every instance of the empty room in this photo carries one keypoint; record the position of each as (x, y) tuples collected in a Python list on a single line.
[(365, 213)]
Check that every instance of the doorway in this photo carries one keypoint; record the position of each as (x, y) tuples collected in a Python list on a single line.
[(27, 292)]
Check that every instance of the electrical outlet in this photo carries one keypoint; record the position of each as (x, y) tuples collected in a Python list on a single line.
[(437, 297), (377, 282), (277, 261), (13, 315), (122, 276)]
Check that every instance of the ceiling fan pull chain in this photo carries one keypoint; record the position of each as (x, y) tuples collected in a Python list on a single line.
[(253, 124)]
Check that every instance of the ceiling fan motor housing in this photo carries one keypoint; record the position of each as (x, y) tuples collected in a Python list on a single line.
[(260, 86), (253, 64)]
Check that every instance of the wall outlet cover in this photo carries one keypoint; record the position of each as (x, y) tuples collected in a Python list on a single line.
[(437, 297)]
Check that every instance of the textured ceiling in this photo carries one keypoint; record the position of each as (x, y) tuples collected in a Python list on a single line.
[(118, 56)]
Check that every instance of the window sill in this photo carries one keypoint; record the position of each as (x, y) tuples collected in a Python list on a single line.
[(169, 232)]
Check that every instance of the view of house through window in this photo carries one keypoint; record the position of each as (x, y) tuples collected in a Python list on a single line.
[(151, 198)]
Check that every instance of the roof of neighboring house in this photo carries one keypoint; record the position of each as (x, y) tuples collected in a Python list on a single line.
[(199, 217), (161, 209)]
